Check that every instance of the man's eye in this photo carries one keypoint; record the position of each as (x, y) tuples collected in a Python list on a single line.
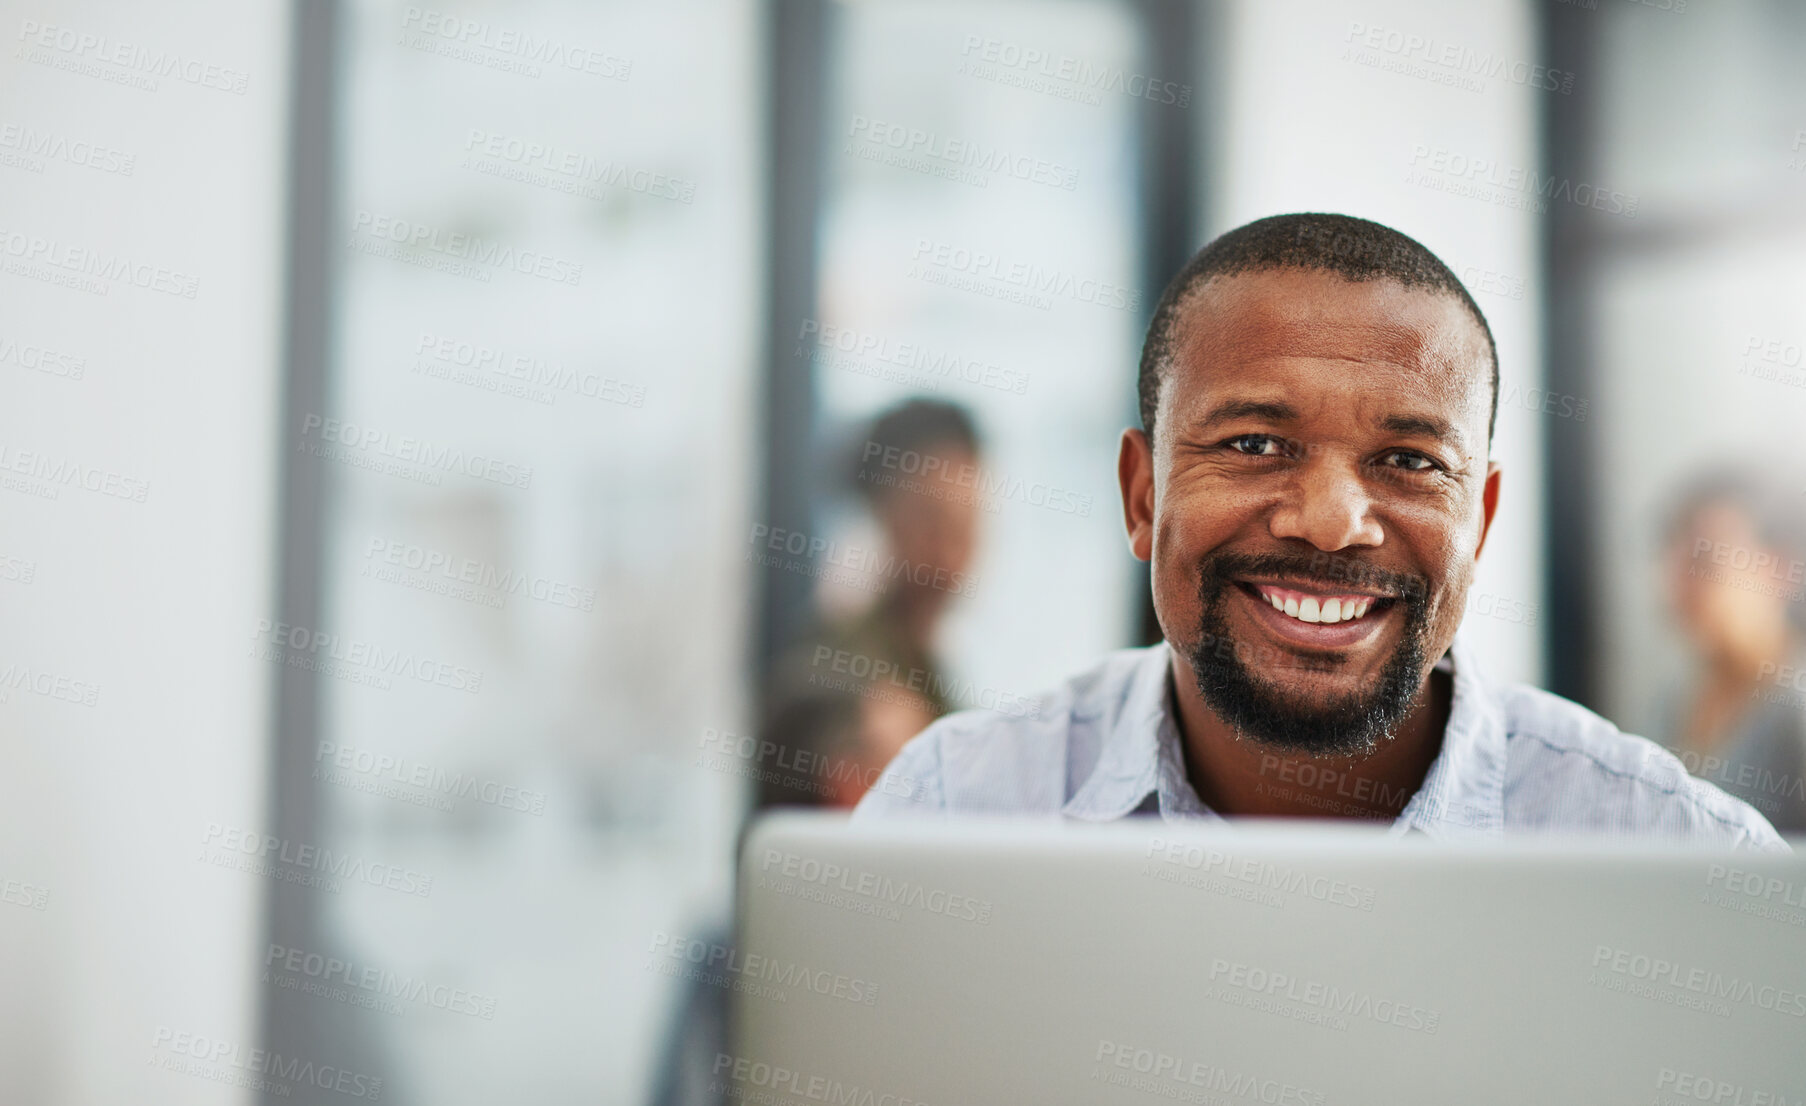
[(1409, 461), (1256, 445)]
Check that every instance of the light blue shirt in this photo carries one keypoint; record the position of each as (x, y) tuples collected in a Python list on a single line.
[(1514, 759)]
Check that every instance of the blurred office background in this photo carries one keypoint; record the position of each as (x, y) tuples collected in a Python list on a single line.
[(402, 404)]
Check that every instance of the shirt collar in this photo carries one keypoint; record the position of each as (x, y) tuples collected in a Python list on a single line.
[(1141, 769)]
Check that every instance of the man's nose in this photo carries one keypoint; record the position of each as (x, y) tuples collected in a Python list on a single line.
[(1329, 507)]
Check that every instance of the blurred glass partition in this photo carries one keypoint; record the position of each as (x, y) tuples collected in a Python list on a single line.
[(1699, 321), (537, 458), (981, 245)]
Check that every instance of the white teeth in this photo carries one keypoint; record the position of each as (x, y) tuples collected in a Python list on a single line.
[(1312, 609)]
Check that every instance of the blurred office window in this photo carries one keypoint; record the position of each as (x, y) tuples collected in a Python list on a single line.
[(537, 452), (980, 243), (1698, 300)]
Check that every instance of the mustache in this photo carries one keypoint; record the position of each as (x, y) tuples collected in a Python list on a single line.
[(1326, 570)]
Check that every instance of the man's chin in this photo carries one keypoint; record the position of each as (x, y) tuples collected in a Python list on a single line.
[(1327, 713), (1322, 727), (1321, 690), (1310, 695)]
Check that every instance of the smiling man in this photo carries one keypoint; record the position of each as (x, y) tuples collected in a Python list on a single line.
[(1312, 485)]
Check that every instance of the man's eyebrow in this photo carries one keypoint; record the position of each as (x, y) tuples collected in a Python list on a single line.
[(1267, 411), (1428, 426)]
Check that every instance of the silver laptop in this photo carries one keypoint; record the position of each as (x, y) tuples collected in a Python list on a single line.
[(1287, 964)]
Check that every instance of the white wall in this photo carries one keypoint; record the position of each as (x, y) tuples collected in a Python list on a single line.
[(1308, 124), (152, 602)]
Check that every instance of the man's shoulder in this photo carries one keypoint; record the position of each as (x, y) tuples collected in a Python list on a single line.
[(1569, 768), (1007, 760)]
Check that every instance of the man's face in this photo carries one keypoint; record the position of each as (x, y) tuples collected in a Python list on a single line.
[(1315, 499)]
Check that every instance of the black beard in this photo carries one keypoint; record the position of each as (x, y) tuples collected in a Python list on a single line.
[(1350, 725)]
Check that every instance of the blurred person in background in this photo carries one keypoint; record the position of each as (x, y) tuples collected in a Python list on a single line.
[(828, 748), (917, 469), (1736, 554)]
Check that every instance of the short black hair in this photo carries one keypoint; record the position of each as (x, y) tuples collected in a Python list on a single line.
[(1354, 249), (919, 425)]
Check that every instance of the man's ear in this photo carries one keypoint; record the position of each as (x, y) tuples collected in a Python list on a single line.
[(1489, 504), (1135, 473)]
